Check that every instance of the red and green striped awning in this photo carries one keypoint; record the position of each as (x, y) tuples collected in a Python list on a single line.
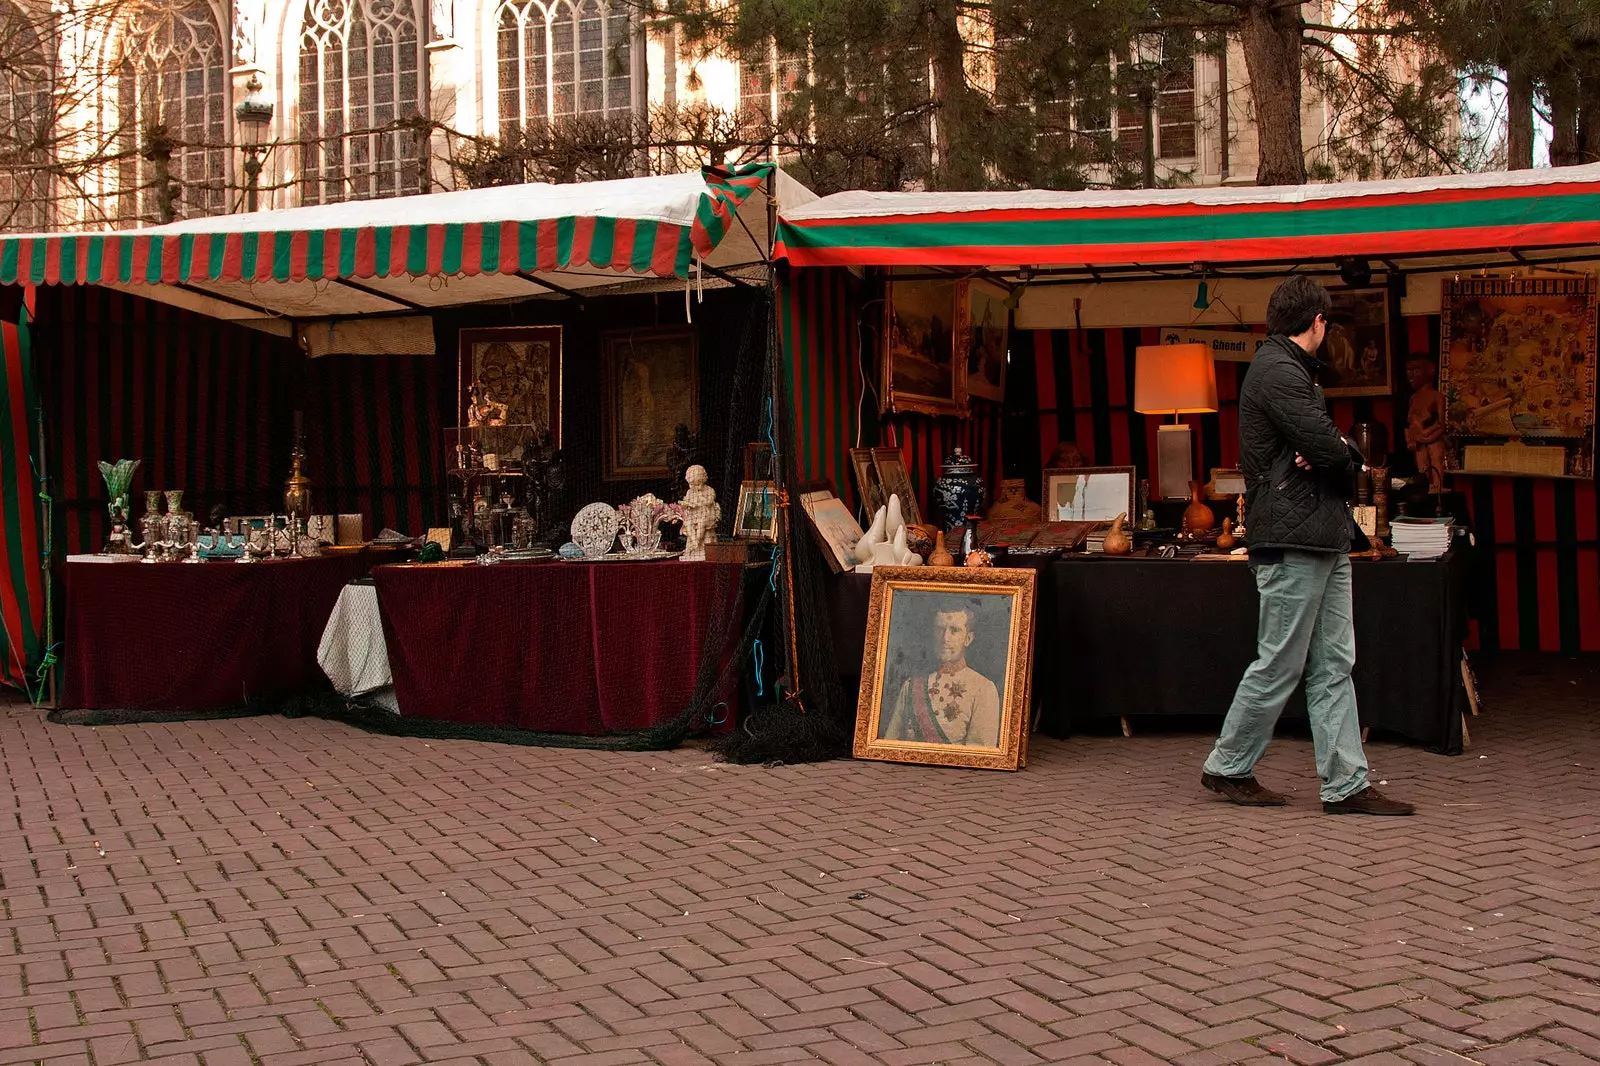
[(1412, 217), (643, 227)]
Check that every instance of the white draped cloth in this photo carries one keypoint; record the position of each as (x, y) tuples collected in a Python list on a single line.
[(352, 652)]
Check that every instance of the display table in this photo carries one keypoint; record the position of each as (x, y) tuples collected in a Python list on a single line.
[(191, 638), (585, 648), (1173, 637)]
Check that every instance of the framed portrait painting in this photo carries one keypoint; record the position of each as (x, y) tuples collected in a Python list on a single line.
[(651, 379), (757, 514), (518, 366), (1357, 343), (947, 673), (983, 338), (919, 365)]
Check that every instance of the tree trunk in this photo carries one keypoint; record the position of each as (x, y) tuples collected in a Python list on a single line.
[(1563, 97), (959, 135), (1519, 121), (1271, 36), (1589, 118)]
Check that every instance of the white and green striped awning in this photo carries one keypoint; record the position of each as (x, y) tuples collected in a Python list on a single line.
[(416, 253)]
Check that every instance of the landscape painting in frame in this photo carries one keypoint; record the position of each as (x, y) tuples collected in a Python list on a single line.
[(519, 366), (919, 365), (946, 676), (652, 386)]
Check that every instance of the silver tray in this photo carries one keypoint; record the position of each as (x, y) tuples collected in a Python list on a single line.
[(619, 557)]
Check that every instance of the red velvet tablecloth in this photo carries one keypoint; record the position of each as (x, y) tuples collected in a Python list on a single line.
[(196, 637), (558, 647)]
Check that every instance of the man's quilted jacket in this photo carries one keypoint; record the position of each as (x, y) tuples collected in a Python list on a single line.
[(1281, 413)]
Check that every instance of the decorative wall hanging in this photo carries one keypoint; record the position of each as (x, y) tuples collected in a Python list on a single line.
[(517, 367), (1518, 362), (652, 386)]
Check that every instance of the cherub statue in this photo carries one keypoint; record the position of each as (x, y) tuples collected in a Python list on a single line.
[(482, 410), (701, 513), (1425, 422)]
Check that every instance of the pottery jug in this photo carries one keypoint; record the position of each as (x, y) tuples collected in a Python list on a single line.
[(959, 491), (1197, 517), (941, 555), (1226, 540), (1117, 542)]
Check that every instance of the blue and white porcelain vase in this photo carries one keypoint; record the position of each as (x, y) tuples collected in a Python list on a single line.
[(959, 492)]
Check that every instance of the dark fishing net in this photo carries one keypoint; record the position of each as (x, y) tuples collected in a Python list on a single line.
[(809, 717)]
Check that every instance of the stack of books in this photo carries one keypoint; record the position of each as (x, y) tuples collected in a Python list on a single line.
[(1421, 538), (1096, 541)]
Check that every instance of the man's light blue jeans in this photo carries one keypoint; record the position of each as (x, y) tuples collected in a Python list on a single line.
[(1306, 626)]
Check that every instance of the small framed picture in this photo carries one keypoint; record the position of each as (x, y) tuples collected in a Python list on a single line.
[(1357, 343), (757, 516), (836, 529), (982, 339), (868, 485), (896, 481), (1088, 494), (947, 673)]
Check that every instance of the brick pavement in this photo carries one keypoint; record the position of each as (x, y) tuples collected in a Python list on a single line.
[(271, 891)]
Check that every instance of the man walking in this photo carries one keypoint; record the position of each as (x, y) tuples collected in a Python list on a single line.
[(1298, 471)]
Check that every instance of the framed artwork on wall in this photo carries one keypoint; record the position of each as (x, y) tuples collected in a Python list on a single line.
[(1357, 343), (518, 366), (919, 371), (983, 338), (948, 667), (651, 383)]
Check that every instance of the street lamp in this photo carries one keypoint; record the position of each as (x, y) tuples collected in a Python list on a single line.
[(254, 116), (1147, 51)]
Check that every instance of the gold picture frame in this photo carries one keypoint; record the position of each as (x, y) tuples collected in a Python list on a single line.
[(651, 379), (1096, 510), (896, 481), (919, 371), (947, 672)]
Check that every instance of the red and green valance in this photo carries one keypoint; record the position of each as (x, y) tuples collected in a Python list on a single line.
[(1416, 217)]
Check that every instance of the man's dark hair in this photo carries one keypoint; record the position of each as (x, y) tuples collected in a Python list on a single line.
[(1295, 305)]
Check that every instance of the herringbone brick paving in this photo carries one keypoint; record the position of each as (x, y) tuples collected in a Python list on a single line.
[(276, 891)]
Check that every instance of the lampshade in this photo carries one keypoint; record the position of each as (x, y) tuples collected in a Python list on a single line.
[(1174, 379)]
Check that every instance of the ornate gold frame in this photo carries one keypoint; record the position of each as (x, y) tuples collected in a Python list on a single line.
[(891, 401), (1021, 586)]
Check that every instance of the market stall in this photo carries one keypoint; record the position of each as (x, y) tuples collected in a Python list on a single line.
[(456, 375), (1048, 336)]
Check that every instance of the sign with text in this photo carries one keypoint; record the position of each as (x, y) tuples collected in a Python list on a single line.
[(1227, 345)]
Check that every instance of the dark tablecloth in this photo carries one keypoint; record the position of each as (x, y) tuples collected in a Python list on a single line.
[(585, 648), (1173, 637), (178, 637)]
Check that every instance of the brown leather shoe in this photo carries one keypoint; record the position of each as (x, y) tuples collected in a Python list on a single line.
[(1245, 791), (1369, 801)]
